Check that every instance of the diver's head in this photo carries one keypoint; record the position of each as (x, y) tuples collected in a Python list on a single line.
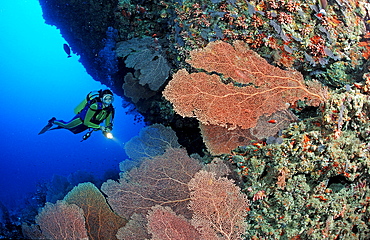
[(107, 97)]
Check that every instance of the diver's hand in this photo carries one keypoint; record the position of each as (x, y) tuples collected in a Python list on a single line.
[(102, 128)]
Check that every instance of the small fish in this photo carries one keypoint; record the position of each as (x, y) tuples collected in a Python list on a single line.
[(67, 49), (272, 121)]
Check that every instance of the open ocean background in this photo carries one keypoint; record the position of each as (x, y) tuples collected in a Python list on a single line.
[(39, 82)]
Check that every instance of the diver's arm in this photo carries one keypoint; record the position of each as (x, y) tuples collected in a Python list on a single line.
[(90, 113), (109, 121)]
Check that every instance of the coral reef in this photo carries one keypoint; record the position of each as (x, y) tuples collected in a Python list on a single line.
[(315, 183), (107, 56), (82, 214), (134, 90), (154, 196), (258, 89), (366, 44), (326, 45), (289, 33), (145, 56), (135, 229), (311, 185), (152, 141), (220, 140), (101, 222), (166, 224), (252, 74), (61, 221), (218, 205), (159, 180)]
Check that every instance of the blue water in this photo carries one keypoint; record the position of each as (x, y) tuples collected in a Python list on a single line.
[(38, 82)]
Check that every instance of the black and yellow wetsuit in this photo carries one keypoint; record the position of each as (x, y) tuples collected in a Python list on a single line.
[(88, 115)]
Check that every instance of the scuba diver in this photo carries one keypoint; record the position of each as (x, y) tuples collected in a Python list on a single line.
[(90, 113)]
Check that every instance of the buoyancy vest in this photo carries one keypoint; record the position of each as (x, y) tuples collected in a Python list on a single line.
[(101, 112)]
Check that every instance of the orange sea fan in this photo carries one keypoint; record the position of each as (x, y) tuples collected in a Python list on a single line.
[(220, 140), (263, 89)]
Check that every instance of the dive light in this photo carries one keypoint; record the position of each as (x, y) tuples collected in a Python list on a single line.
[(108, 134)]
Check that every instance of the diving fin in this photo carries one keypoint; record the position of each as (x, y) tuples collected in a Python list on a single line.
[(48, 126)]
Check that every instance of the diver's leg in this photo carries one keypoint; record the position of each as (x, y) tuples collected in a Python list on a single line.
[(68, 125), (48, 126), (75, 125)]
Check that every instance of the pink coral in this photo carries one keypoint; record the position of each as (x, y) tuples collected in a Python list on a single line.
[(62, 221), (101, 222), (219, 207), (159, 180), (164, 224)]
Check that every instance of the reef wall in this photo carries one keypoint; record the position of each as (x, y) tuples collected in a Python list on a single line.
[(275, 90)]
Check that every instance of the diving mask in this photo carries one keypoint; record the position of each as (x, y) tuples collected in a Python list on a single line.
[(107, 99)]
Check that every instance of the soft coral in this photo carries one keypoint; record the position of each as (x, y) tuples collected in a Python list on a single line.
[(365, 43)]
